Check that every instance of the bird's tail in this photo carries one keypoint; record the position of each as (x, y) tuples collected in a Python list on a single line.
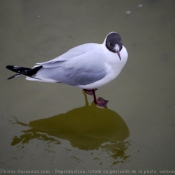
[(23, 71)]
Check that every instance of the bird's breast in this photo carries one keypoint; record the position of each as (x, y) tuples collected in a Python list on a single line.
[(114, 64)]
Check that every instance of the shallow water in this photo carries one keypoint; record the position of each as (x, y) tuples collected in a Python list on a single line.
[(53, 127)]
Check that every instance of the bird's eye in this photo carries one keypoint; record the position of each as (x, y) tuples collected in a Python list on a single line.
[(110, 44)]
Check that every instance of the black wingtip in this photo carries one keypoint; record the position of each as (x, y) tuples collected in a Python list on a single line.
[(14, 76), (10, 78), (10, 67), (23, 71)]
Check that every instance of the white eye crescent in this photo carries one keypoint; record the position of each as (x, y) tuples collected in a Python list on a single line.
[(117, 48)]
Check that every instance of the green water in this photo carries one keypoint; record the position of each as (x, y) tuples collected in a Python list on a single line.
[(53, 127)]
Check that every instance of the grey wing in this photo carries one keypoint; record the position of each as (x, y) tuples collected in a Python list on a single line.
[(82, 70), (82, 76), (74, 52)]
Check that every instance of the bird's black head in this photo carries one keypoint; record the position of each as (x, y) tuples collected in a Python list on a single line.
[(114, 43)]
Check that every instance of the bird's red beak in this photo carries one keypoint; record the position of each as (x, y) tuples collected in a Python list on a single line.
[(118, 53)]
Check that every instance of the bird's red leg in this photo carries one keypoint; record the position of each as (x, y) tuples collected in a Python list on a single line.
[(95, 99), (100, 101), (88, 91)]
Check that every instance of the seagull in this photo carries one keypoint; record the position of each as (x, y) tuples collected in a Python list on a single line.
[(87, 66)]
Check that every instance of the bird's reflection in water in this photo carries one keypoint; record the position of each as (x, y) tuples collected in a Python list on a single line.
[(87, 128)]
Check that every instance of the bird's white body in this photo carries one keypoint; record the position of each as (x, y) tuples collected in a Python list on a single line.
[(87, 66)]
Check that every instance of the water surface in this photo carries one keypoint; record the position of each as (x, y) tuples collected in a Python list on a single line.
[(55, 127)]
